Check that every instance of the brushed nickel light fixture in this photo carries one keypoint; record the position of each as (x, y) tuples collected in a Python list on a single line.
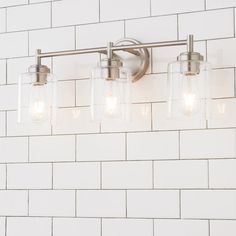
[(111, 80), (188, 85)]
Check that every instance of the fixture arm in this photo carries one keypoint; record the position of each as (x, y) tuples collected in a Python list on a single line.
[(128, 48)]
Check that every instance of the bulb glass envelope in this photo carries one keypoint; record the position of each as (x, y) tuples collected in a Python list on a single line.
[(110, 91), (188, 89), (37, 92)]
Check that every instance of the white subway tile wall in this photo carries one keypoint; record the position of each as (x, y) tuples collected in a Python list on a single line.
[(151, 177)]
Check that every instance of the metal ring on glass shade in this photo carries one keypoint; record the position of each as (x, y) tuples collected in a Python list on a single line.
[(142, 53)]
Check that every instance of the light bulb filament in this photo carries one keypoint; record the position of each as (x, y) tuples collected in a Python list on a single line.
[(111, 104)]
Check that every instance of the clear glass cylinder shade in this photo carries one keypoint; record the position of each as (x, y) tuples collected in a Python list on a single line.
[(110, 98), (188, 89), (37, 102)]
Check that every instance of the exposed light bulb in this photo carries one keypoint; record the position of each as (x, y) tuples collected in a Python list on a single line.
[(38, 107), (190, 96), (111, 104)]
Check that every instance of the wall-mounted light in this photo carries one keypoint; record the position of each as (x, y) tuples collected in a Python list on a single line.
[(110, 82), (37, 94), (188, 84)]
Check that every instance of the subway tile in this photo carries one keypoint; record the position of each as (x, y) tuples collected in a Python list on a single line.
[(80, 12), (100, 147), (151, 88), (181, 174), (17, 154), (217, 24), (29, 176), (76, 176), (28, 17), (222, 173), (222, 113), (42, 149), (140, 120), (126, 227), (104, 32), (13, 203), (8, 3), (161, 121), (147, 146), (48, 40), (113, 10), (74, 121), (24, 129), (127, 175), (66, 94), (74, 67), (52, 203), (208, 204), (2, 124), (101, 203), (2, 20), (14, 44), (3, 176), (5, 102), (141, 29), (181, 227), (2, 226), (207, 144), (74, 227), (222, 83), (153, 203), (213, 4), (221, 52), (223, 227), (169, 7), (28, 226)]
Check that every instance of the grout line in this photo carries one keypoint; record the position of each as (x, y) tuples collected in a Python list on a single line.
[(209, 228), (99, 10), (51, 15), (123, 160), (112, 217), (52, 226), (153, 227), (6, 226), (101, 227)]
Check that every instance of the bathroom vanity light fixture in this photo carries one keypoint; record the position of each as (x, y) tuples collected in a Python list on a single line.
[(110, 82)]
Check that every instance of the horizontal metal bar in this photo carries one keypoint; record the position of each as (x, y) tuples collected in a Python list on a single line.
[(127, 48)]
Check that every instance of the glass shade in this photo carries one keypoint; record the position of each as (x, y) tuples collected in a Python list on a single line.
[(188, 89), (110, 98), (37, 101)]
